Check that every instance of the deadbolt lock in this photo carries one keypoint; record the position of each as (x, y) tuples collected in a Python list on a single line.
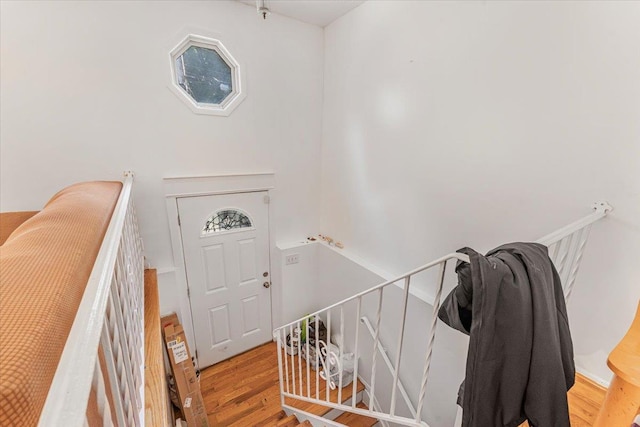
[(265, 274), (266, 285)]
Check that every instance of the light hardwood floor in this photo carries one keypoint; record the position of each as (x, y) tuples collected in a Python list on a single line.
[(585, 399), (243, 391)]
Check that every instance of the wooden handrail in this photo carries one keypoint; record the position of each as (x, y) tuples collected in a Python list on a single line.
[(622, 402)]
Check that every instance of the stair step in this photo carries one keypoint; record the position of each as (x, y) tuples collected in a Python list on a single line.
[(262, 421), (321, 410), (356, 420), (305, 424), (313, 408), (290, 421)]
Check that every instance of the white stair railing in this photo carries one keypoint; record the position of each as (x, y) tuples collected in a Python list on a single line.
[(106, 338), (387, 362), (566, 247)]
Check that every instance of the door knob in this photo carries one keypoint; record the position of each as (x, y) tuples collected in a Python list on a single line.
[(266, 285)]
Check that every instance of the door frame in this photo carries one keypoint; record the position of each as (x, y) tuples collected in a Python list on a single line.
[(212, 185)]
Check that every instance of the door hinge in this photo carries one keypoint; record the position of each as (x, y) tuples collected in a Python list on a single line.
[(196, 354), (179, 222), (188, 293), (267, 200)]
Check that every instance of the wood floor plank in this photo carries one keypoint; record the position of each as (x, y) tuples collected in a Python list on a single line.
[(290, 421), (245, 390), (355, 420), (585, 399), (156, 401)]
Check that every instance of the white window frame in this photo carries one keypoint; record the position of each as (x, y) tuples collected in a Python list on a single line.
[(237, 82)]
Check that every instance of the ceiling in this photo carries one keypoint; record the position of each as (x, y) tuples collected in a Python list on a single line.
[(317, 12)]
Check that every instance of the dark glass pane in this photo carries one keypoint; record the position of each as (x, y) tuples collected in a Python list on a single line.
[(226, 220), (204, 75)]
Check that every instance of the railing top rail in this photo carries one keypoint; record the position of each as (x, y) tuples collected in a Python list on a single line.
[(69, 392), (601, 210), (453, 255)]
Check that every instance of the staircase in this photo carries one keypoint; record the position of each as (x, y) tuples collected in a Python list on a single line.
[(263, 407), (566, 247), (267, 386), (244, 391)]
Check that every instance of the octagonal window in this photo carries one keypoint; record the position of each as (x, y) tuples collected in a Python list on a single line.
[(205, 76)]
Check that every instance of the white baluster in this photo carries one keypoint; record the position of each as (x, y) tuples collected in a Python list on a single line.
[(300, 356), (564, 244), (355, 356), (114, 380), (376, 342), (281, 381), (341, 352), (430, 343), (317, 316), (293, 360), (400, 341), (576, 263), (308, 356), (286, 363), (326, 364), (124, 345), (101, 396)]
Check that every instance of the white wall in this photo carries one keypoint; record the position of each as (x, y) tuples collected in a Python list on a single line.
[(451, 124), (84, 95), (444, 124), (295, 294)]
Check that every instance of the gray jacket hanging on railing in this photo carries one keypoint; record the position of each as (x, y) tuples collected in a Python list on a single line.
[(520, 361)]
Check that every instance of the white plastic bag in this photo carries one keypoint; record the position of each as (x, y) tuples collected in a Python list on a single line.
[(338, 367)]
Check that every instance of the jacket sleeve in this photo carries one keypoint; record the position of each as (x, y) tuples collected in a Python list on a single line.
[(456, 308)]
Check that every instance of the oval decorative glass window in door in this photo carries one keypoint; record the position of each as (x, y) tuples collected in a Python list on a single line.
[(226, 219)]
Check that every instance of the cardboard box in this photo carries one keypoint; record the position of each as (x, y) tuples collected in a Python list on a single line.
[(169, 319), (185, 375)]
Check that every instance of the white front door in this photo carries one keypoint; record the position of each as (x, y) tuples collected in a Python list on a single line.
[(225, 239)]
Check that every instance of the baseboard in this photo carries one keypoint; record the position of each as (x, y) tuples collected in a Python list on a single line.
[(596, 379)]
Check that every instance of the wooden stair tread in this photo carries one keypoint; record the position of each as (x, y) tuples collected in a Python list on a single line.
[(261, 421), (305, 424), (290, 421), (356, 420), (313, 408)]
